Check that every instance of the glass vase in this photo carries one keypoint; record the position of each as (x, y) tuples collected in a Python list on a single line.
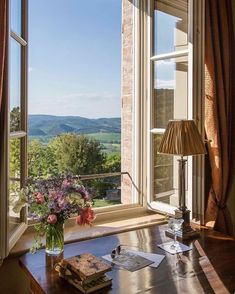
[(55, 239)]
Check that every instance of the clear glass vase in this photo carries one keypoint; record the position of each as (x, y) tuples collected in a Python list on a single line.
[(55, 239)]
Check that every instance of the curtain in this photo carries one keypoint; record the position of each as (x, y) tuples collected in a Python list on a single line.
[(219, 109)]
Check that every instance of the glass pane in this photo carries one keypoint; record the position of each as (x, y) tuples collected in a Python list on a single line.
[(170, 26), (14, 218), (16, 16), (15, 88), (74, 103), (170, 90), (166, 175), (104, 191), (163, 174)]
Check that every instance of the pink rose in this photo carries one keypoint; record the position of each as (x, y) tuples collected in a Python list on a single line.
[(52, 219), (39, 198), (86, 216)]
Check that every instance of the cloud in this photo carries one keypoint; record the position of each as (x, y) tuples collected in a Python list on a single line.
[(91, 105), (169, 62), (31, 69), (164, 84), (89, 95)]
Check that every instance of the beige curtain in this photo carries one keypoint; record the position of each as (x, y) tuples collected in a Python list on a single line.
[(219, 106)]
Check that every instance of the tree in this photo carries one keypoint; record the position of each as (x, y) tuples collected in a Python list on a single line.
[(15, 158), (113, 163), (41, 160), (15, 119), (77, 154)]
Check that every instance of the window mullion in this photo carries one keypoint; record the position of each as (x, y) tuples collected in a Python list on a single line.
[(18, 39), (169, 55), (157, 131), (19, 134)]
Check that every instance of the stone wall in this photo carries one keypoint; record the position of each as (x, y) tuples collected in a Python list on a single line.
[(127, 98)]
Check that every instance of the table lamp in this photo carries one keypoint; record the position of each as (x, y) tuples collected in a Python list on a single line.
[(182, 138)]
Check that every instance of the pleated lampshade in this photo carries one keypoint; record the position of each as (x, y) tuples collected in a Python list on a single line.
[(182, 138)]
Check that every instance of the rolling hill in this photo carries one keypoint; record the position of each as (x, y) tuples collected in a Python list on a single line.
[(50, 125)]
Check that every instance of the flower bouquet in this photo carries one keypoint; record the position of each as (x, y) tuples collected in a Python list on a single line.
[(51, 202)]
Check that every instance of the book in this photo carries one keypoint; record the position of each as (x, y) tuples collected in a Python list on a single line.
[(95, 285), (86, 266), (82, 285), (131, 261)]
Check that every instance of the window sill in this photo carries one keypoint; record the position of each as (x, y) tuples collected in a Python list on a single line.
[(74, 233)]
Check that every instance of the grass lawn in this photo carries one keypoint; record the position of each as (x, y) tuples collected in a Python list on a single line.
[(106, 137), (103, 202)]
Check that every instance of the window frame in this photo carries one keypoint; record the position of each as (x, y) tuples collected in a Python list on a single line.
[(156, 131), (142, 85), (22, 133), (137, 197), (195, 53), (138, 162)]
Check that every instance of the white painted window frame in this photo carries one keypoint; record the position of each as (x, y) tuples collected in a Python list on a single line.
[(138, 199), (195, 54)]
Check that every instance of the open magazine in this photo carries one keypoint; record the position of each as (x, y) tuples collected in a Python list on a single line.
[(131, 261)]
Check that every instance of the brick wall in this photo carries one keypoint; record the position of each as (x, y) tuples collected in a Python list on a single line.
[(127, 97)]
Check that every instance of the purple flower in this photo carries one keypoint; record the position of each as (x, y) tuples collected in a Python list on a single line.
[(81, 190), (61, 202), (52, 195), (66, 183)]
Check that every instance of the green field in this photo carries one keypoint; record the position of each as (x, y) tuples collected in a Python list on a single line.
[(106, 137), (110, 141), (103, 202), (112, 148)]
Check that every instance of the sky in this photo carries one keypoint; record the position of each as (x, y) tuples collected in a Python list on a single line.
[(75, 57)]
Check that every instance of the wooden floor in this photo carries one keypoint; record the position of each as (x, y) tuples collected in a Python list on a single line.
[(208, 268)]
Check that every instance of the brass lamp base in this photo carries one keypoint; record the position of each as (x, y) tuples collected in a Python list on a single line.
[(187, 232)]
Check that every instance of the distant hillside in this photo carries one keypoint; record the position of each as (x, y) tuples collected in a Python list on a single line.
[(49, 125)]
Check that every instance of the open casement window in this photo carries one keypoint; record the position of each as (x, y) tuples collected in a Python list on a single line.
[(176, 93), (94, 100), (17, 119)]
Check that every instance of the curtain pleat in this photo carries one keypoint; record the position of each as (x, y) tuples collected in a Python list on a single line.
[(219, 109)]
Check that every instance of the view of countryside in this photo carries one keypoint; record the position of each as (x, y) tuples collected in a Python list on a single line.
[(74, 96), (74, 121)]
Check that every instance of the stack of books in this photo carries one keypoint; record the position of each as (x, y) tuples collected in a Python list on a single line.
[(86, 272)]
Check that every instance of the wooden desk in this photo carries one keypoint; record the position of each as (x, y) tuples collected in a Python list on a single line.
[(208, 268)]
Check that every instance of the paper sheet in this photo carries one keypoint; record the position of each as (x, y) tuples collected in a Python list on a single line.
[(156, 258)]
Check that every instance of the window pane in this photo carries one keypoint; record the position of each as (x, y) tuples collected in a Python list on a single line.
[(15, 87), (166, 175), (105, 191), (74, 100), (170, 26), (170, 90), (16, 16), (15, 160), (164, 185)]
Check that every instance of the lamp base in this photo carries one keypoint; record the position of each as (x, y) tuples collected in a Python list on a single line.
[(180, 235), (187, 232)]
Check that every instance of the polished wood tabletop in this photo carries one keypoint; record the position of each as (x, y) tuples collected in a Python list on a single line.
[(208, 268)]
